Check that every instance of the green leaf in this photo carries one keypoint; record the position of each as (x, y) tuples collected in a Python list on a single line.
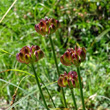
[(99, 37)]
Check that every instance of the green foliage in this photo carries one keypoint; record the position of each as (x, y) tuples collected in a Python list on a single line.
[(85, 22)]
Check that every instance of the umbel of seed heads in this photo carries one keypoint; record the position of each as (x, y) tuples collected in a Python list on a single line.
[(69, 80), (47, 26), (73, 56), (29, 54)]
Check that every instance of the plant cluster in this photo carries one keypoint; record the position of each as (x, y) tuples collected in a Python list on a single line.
[(81, 23), (33, 54)]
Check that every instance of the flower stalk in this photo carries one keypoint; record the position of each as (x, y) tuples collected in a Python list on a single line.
[(80, 85), (37, 80), (57, 68), (73, 97)]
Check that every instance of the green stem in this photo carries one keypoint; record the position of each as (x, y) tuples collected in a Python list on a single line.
[(73, 97), (57, 68), (49, 94), (64, 97), (37, 80), (54, 55), (80, 84)]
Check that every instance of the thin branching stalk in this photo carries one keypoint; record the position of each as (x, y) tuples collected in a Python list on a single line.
[(80, 84), (73, 97), (37, 80), (57, 68)]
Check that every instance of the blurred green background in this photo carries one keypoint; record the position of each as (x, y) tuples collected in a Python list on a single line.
[(83, 22)]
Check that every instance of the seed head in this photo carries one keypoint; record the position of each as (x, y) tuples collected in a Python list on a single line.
[(29, 54), (69, 80), (47, 26), (73, 56)]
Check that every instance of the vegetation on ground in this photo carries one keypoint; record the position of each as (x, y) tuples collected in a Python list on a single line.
[(84, 23)]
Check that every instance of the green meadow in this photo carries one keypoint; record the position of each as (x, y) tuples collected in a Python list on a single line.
[(83, 23)]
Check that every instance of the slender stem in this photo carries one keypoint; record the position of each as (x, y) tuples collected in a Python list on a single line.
[(73, 97), (49, 94), (37, 80), (54, 55), (64, 97), (57, 68), (80, 84)]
